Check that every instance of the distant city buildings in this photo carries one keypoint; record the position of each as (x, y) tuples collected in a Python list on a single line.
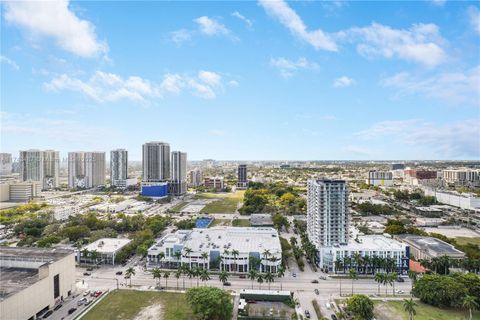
[(242, 182), (398, 166), (156, 161), (461, 177), (86, 169), (195, 178), (380, 178), (178, 183), (5, 163), (23, 191), (40, 166), (119, 169), (327, 212)]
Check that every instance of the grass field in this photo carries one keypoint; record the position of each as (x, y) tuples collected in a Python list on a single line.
[(226, 203), (220, 222), (465, 240), (179, 207), (393, 310), (128, 304), (241, 223)]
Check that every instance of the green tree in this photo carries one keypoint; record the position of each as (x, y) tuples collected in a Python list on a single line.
[(379, 278), (252, 275), (360, 306), (210, 303), (413, 278), (204, 276), (157, 274), (260, 281), (269, 278), (409, 307), (352, 274), (470, 303), (223, 277), (129, 273), (280, 274), (178, 274), (166, 274)]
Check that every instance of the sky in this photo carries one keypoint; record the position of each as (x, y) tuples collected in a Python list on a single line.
[(265, 80)]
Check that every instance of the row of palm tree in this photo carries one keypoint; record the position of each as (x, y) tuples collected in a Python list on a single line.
[(443, 264), (386, 278), (366, 264)]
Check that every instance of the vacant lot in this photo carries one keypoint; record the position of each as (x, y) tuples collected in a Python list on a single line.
[(465, 240), (141, 305), (393, 310), (225, 203)]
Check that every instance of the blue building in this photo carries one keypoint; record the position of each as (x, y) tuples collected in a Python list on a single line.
[(155, 189)]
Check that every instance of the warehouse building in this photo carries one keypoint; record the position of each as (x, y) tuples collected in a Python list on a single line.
[(428, 247), (34, 280)]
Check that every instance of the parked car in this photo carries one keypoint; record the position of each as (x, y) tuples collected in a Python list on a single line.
[(47, 314), (58, 306), (400, 279), (119, 273), (87, 274), (81, 301), (88, 302), (251, 301), (72, 310), (89, 269), (227, 284), (86, 293), (97, 294), (307, 314), (315, 281), (316, 292), (242, 276), (334, 317), (294, 275)]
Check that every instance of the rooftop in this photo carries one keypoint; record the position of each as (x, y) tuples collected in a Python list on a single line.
[(432, 246), (107, 245), (33, 254), (373, 242)]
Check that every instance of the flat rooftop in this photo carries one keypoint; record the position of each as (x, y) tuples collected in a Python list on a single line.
[(433, 246), (16, 279), (33, 254), (107, 245), (373, 242), (261, 219)]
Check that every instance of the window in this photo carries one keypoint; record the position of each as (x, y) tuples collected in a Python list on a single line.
[(56, 286)]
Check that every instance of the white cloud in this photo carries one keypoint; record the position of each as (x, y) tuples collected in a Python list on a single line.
[(291, 20), (421, 43), (288, 67), (456, 88), (108, 87), (238, 15), (456, 140), (343, 82), (54, 19), (9, 61), (211, 27), (181, 36), (474, 18), (233, 83), (439, 3), (216, 132)]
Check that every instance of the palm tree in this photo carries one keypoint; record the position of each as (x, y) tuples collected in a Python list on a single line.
[(269, 278), (185, 272), (293, 241), (413, 278), (225, 256), (260, 281), (166, 274), (338, 265), (188, 251), (204, 276), (177, 256), (85, 253), (470, 303), (235, 254), (379, 276), (266, 254), (252, 275), (191, 274), (157, 273), (393, 279), (204, 258), (352, 273), (161, 256), (178, 274), (94, 256), (223, 277), (196, 273), (129, 273), (280, 274), (409, 306)]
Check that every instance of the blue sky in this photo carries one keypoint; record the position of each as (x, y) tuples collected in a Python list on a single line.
[(244, 80)]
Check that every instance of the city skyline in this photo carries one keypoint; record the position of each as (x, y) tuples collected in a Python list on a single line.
[(244, 81)]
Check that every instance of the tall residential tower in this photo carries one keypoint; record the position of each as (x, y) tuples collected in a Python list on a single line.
[(178, 184), (86, 169), (242, 182), (156, 161), (118, 167), (41, 166)]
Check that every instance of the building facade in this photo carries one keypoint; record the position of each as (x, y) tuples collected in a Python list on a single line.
[(24, 191), (154, 189), (119, 167), (327, 212), (214, 183), (380, 178), (105, 250), (242, 182), (195, 178), (233, 249), (5, 163), (86, 169), (462, 177), (41, 166), (156, 161), (178, 183)]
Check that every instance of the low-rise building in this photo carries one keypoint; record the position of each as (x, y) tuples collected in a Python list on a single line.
[(155, 189), (224, 248), (429, 212), (422, 247), (214, 183), (24, 191), (461, 200), (34, 280), (341, 258), (102, 251), (380, 178), (261, 220)]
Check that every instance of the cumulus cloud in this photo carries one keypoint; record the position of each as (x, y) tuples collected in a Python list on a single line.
[(421, 43), (54, 19), (474, 18), (455, 88), (288, 67), (181, 36), (343, 82), (108, 87), (211, 27), (238, 15), (292, 21), (457, 140), (9, 61)]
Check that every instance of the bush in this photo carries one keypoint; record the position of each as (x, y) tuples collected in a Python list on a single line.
[(361, 306), (210, 303), (443, 291)]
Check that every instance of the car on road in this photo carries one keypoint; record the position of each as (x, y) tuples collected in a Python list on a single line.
[(82, 301), (294, 275), (119, 273), (88, 302), (226, 283), (400, 291), (72, 310), (97, 294), (400, 279), (251, 301), (334, 317), (47, 314), (307, 314), (315, 281), (316, 292), (58, 306), (86, 293), (87, 274)]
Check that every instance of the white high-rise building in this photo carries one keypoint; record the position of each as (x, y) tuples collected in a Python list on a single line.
[(5, 163), (178, 185), (41, 166), (156, 161), (327, 212), (86, 169), (118, 167)]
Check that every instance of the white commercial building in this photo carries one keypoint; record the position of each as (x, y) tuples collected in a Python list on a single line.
[(34, 281), (461, 200), (86, 169), (24, 191), (379, 246), (119, 168), (327, 212), (41, 166), (380, 178), (463, 177), (223, 248), (104, 251), (156, 161), (178, 183)]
